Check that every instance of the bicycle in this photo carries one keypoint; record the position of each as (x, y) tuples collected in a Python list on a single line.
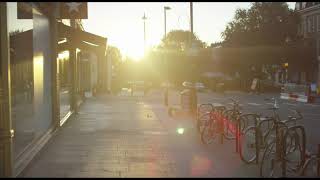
[(223, 122), (203, 115), (287, 143), (231, 120), (253, 138), (311, 165), (214, 125)]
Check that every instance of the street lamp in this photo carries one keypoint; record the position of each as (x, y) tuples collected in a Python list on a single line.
[(165, 34), (165, 19), (144, 18)]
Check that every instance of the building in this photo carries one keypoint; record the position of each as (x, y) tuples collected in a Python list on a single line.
[(40, 83), (309, 29)]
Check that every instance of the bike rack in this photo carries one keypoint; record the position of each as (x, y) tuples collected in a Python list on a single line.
[(284, 145)]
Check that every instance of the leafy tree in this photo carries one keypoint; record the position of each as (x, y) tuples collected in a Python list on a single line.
[(180, 40), (264, 23), (115, 55)]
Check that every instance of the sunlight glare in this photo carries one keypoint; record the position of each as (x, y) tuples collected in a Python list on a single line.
[(180, 130)]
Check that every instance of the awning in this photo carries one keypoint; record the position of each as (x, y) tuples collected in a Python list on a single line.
[(82, 40)]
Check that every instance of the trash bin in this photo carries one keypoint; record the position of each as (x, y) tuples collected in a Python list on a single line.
[(185, 99)]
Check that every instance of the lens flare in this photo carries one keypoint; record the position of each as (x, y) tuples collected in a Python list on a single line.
[(180, 130)]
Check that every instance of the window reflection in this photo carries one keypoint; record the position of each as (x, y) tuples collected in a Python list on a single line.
[(30, 79), (21, 72), (65, 83)]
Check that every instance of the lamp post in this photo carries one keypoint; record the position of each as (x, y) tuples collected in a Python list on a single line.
[(144, 18), (194, 98), (165, 34)]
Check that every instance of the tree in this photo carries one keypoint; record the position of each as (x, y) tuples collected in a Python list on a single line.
[(264, 23), (115, 55), (180, 40)]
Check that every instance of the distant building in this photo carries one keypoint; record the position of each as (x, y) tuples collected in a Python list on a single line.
[(309, 29)]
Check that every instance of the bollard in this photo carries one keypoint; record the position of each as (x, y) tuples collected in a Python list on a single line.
[(193, 101), (221, 118), (166, 97), (282, 152), (237, 133)]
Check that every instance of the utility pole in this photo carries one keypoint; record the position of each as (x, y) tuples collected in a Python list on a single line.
[(166, 94), (194, 99), (191, 17), (144, 18)]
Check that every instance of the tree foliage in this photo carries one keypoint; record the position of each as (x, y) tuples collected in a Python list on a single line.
[(180, 40), (115, 54), (264, 23)]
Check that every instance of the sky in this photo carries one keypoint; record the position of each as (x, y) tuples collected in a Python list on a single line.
[(121, 22)]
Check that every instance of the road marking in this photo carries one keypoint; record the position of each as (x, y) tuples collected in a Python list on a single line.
[(232, 104), (312, 105), (154, 133), (254, 104), (290, 104)]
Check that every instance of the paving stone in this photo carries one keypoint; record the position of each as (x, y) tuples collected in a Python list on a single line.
[(132, 137)]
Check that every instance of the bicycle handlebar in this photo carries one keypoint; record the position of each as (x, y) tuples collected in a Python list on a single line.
[(298, 113)]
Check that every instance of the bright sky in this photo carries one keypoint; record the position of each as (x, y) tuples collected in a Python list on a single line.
[(122, 22)]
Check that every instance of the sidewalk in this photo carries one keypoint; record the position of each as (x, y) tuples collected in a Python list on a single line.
[(133, 137)]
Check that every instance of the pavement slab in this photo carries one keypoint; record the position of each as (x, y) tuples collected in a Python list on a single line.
[(124, 136)]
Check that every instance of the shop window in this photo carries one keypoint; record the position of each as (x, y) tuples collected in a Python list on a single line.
[(64, 83), (30, 76)]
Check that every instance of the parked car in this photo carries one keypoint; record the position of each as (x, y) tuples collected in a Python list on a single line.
[(187, 84)]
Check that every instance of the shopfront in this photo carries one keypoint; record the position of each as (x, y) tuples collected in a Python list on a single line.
[(27, 90), (40, 83)]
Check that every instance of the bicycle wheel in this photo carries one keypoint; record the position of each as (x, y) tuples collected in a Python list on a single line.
[(203, 121), (229, 125), (242, 124), (248, 149), (309, 169), (270, 165), (209, 132), (294, 150)]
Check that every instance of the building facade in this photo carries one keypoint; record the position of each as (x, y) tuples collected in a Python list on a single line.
[(39, 79), (309, 29)]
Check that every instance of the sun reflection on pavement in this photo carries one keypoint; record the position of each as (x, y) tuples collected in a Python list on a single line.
[(180, 130), (200, 165)]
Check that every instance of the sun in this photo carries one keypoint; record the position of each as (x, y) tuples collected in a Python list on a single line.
[(131, 46), (135, 52)]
